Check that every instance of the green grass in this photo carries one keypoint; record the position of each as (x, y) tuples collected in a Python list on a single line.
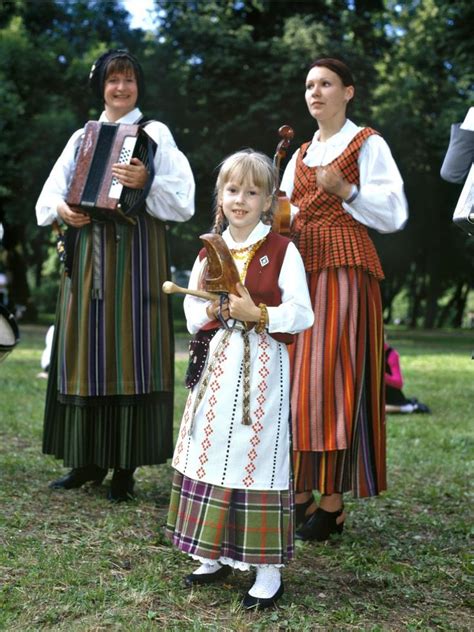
[(71, 561)]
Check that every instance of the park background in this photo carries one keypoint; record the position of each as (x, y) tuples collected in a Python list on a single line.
[(225, 75)]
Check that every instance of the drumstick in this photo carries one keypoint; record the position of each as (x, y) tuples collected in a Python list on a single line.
[(169, 287)]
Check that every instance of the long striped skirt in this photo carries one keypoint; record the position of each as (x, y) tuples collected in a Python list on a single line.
[(109, 400), (238, 527), (337, 390)]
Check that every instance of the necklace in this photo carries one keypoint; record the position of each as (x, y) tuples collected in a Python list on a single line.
[(246, 254)]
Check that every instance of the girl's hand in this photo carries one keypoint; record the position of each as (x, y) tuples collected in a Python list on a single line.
[(242, 306), (330, 179), (71, 216), (212, 310), (133, 176)]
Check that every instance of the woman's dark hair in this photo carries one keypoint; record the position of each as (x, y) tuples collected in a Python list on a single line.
[(118, 61), (336, 65)]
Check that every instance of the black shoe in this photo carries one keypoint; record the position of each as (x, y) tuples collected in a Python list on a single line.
[(121, 486), (300, 511), (80, 475), (206, 578), (249, 602), (421, 408), (320, 525)]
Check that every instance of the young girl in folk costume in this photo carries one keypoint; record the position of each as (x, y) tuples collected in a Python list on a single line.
[(340, 183), (231, 502)]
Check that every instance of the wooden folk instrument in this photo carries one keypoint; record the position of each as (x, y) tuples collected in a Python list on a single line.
[(169, 287), (220, 273), (282, 216)]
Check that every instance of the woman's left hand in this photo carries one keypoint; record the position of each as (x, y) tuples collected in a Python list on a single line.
[(242, 306), (133, 176), (331, 180)]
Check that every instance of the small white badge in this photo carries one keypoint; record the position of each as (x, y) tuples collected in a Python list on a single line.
[(264, 261)]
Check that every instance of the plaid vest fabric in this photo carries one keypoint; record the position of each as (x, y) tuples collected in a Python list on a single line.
[(326, 235)]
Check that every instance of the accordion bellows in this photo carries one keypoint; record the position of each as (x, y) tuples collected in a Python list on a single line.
[(93, 188)]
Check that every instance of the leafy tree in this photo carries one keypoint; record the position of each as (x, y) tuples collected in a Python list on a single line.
[(425, 84), (225, 74)]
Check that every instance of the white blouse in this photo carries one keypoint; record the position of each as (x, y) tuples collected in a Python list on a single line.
[(381, 202), (171, 195)]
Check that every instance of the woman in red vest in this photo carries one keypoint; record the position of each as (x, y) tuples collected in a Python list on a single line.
[(341, 183)]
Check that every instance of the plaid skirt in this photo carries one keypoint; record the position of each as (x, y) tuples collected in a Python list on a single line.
[(238, 527)]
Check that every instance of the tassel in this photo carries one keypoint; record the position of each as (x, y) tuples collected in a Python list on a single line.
[(246, 419)]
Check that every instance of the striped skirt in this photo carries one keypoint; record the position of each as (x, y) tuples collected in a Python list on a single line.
[(337, 396), (238, 527), (109, 400)]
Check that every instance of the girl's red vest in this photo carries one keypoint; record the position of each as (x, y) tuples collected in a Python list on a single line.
[(262, 277)]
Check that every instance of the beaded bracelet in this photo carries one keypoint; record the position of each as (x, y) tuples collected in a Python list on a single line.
[(263, 320)]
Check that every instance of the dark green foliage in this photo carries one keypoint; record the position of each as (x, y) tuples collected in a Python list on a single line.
[(224, 75)]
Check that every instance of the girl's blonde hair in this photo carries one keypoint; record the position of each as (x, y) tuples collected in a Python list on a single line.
[(246, 165)]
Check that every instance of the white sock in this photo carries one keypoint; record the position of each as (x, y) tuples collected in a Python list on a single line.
[(211, 566), (267, 582)]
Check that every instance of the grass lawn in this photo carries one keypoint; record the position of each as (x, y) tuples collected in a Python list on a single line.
[(72, 561)]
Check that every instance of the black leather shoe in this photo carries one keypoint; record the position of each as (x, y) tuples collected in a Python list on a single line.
[(421, 408), (320, 525), (121, 486), (80, 475), (300, 511), (206, 578), (259, 603)]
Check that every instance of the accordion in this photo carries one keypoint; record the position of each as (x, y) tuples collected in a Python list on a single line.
[(93, 188)]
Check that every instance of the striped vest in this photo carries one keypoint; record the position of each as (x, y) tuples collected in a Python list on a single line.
[(326, 235)]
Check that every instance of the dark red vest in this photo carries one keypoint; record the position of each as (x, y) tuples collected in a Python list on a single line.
[(262, 276)]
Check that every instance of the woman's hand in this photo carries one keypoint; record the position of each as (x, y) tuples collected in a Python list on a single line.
[(78, 219), (133, 176), (330, 179), (242, 306)]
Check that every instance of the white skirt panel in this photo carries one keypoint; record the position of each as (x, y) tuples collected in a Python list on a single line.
[(214, 446)]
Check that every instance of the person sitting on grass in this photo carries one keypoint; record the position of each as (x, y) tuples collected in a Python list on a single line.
[(395, 400)]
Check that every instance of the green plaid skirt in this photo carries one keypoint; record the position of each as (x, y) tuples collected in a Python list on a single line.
[(249, 526)]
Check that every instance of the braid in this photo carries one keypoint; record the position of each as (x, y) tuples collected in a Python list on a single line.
[(267, 216), (220, 222)]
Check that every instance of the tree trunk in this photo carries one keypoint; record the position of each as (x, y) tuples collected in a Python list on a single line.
[(431, 309), (460, 304), (418, 285)]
